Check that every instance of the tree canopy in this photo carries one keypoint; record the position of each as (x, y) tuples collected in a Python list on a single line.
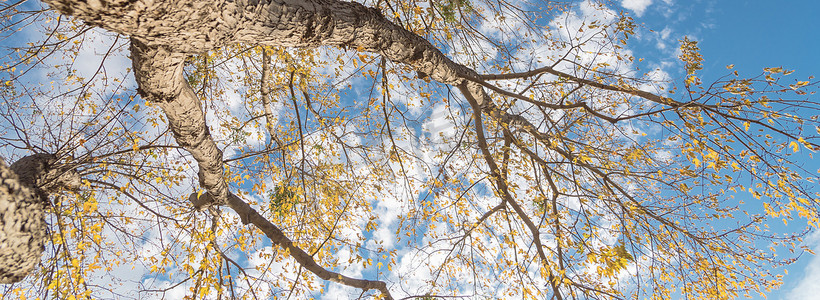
[(387, 149)]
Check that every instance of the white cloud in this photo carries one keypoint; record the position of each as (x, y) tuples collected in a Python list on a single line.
[(637, 6), (441, 126), (809, 286), (657, 81), (663, 37)]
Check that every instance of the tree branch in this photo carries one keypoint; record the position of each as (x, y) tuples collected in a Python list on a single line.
[(159, 73)]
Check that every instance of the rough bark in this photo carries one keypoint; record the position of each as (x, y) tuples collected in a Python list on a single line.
[(196, 26), (23, 227), (159, 74), (45, 175), (24, 190)]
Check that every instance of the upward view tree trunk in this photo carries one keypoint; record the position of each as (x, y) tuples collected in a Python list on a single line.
[(23, 227), (200, 26), (24, 190)]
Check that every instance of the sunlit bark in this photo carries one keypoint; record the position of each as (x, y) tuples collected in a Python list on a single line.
[(24, 192)]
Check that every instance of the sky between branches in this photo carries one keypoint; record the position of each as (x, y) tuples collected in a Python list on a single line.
[(751, 35)]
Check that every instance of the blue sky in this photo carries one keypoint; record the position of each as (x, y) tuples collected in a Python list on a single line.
[(751, 35), (757, 34)]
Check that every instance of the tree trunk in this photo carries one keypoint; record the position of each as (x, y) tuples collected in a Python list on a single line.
[(197, 26), (23, 227), (24, 189)]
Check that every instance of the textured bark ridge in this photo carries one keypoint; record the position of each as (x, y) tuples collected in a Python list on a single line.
[(42, 173), (196, 26), (23, 227), (159, 74), (24, 189)]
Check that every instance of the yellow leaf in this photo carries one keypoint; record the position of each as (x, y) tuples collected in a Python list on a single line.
[(794, 146)]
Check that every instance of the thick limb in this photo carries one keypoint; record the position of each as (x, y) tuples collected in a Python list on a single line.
[(24, 190)]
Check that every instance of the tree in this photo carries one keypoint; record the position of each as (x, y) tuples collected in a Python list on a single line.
[(561, 175)]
